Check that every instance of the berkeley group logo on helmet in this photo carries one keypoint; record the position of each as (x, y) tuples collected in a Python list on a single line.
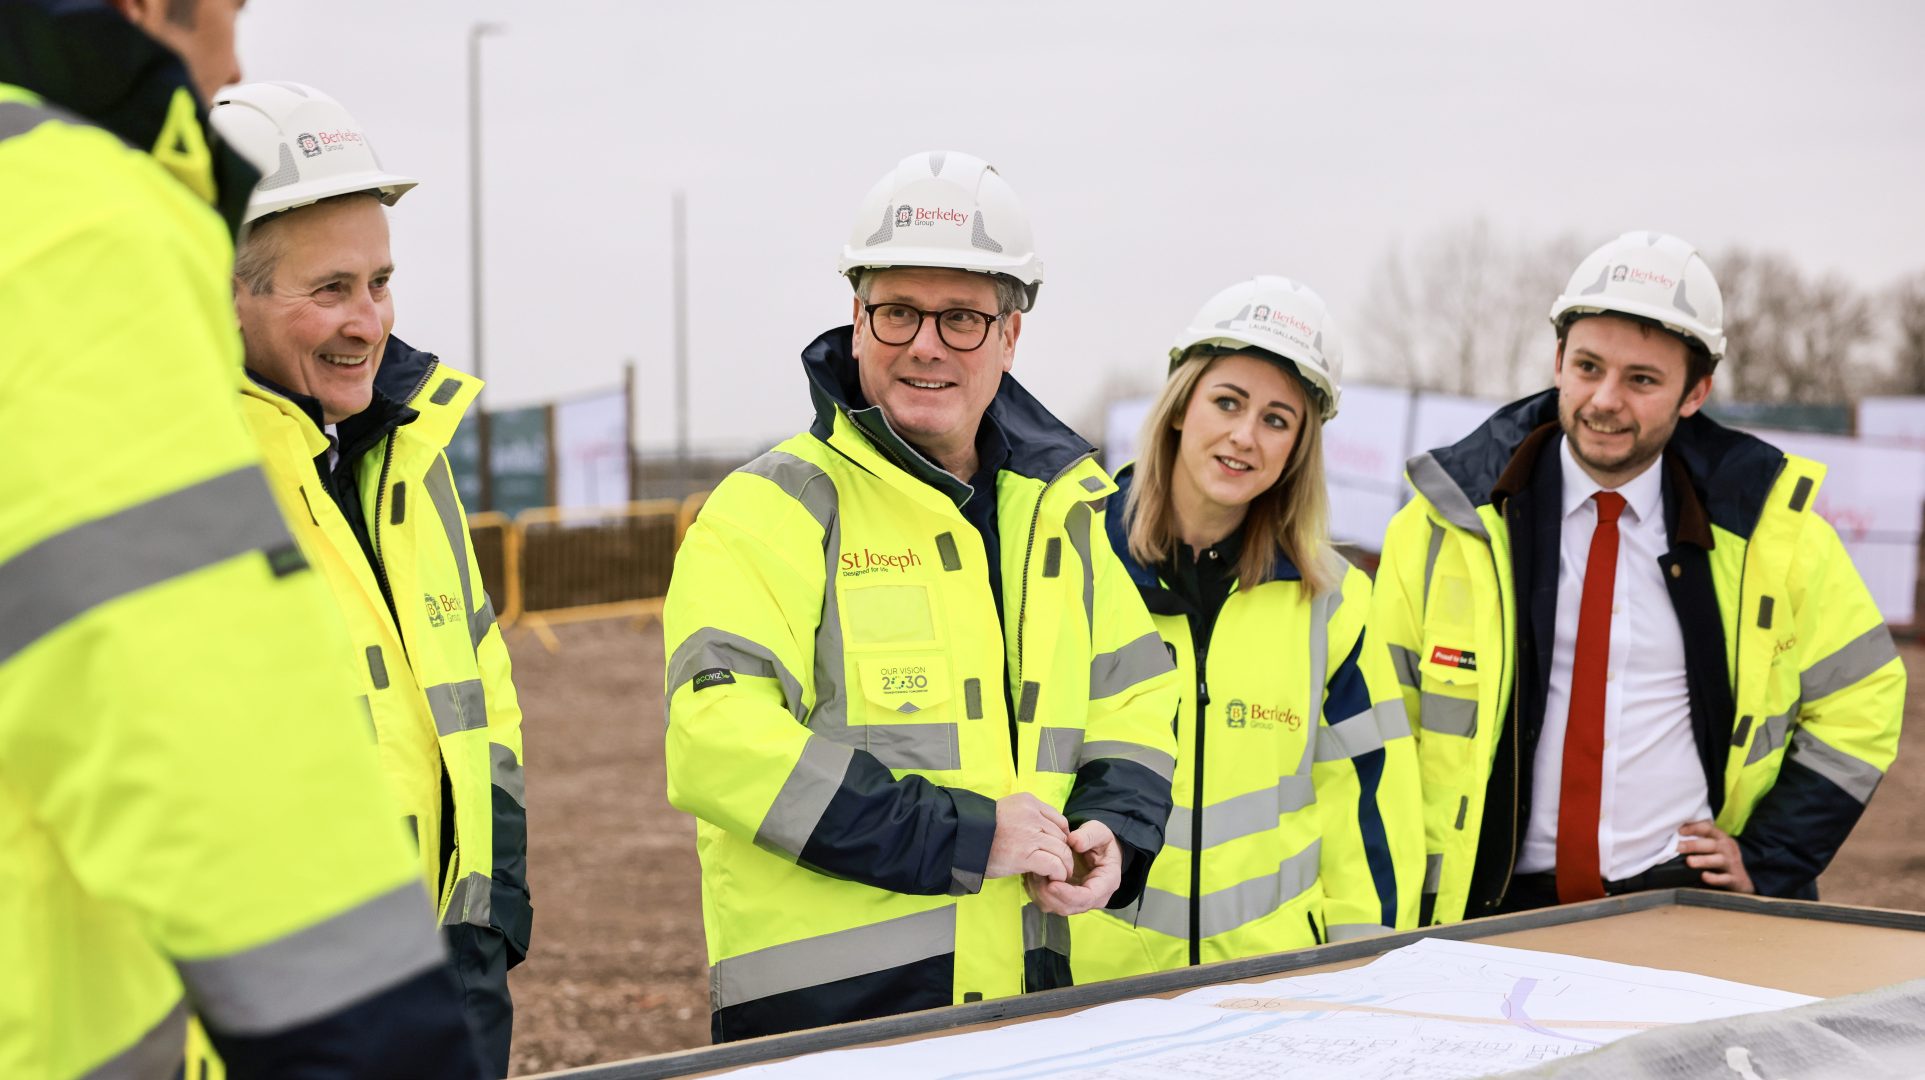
[(316, 143), (907, 215), (1276, 321), (1639, 276)]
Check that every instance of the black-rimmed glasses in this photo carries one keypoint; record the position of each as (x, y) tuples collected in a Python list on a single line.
[(962, 329)]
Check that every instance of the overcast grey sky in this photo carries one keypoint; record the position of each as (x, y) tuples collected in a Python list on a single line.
[(1163, 151)]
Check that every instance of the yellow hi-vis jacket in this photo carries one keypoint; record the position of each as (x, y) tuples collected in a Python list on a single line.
[(437, 686), (1298, 819), (837, 682), (189, 808), (1796, 687)]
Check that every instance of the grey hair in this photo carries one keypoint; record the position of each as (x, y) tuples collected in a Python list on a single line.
[(259, 252), (1011, 295), (257, 256)]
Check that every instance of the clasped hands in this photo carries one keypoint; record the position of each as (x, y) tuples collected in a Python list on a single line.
[(1065, 871)]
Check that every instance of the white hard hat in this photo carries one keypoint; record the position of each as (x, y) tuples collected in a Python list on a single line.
[(942, 208), (306, 145), (1279, 316), (1653, 275)]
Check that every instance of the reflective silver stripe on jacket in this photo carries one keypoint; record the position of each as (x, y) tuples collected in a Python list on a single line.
[(1447, 715), (1855, 777), (1157, 761), (20, 117), (1078, 524), (1857, 660), (827, 958), (1354, 931), (1141, 660), (72, 572), (504, 771), (804, 798), (441, 492), (1772, 734), (1226, 909), (711, 648), (1041, 930), (1057, 749), (156, 1053), (1433, 483), (313, 972), (1241, 815), (1408, 667), (458, 706), (472, 902)]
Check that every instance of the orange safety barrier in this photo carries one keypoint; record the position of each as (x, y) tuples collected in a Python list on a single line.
[(552, 565), (498, 555), (595, 563)]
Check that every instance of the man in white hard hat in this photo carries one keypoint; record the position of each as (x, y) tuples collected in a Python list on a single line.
[(1636, 656), (354, 425), (192, 820), (914, 702)]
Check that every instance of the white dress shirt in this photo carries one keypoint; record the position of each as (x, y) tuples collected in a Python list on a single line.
[(1652, 782)]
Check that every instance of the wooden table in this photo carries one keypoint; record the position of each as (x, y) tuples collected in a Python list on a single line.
[(1825, 950)]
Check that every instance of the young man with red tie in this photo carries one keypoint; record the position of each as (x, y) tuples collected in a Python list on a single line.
[(1634, 655)]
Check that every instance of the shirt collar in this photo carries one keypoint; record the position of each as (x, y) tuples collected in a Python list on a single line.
[(1643, 493)]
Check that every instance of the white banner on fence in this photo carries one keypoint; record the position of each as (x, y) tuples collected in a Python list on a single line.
[(1874, 491), (1893, 419), (1368, 443), (1121, 425), (1874, 495), (591, 451), (1363, 459)]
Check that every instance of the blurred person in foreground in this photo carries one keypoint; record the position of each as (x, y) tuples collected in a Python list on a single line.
[(913, 699), (1298, 819), (353, 425), (192, 818), (1636, 656)]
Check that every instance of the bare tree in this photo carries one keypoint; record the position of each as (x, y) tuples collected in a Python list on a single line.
[(1907, 303), (1790, 338), (1462, 310)]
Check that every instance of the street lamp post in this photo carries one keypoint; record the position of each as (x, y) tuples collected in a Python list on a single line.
[(477, 31)]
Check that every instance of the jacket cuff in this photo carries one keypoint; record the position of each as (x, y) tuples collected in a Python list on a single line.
[(1137, 856), (975, 831)]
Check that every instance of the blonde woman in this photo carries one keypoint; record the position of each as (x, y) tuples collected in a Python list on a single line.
[(1298, 818)]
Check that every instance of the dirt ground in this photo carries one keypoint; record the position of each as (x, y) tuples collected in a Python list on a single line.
[(618, 970)]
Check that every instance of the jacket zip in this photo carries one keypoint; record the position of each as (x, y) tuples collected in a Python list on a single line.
[(1744, 567), (380, 497), (1517, 735), (1196, 814)]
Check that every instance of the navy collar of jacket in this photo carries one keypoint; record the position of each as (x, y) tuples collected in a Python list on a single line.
[(1040, 446), (396, 382), (84, 56), (1729, 472), (1147, 580)]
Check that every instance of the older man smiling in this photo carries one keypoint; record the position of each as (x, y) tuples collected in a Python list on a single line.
[(353, 425)]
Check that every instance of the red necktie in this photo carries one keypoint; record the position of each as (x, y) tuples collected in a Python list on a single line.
[(1578, 876)]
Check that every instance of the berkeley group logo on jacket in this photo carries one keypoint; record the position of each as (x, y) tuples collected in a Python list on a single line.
[(1238, 714)]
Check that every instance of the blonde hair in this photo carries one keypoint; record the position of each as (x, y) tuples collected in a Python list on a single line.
[(1290, 519)]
